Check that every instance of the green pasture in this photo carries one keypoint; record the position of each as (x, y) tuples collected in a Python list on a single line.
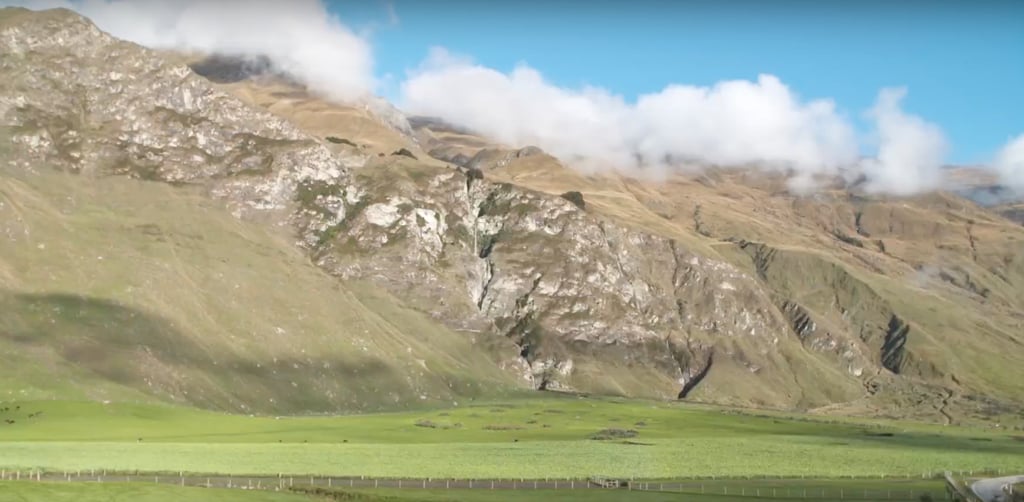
[(534, 438), (134, 492), (733, 491)]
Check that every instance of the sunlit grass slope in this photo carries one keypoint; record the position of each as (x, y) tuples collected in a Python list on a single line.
[(117, 289)]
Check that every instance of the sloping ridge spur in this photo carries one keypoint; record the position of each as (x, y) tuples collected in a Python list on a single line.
[(809, 283)]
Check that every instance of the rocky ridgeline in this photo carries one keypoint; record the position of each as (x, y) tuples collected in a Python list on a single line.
[(84, 101), (590, 305)]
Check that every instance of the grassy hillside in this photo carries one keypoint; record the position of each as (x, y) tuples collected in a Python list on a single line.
[(116, 289)]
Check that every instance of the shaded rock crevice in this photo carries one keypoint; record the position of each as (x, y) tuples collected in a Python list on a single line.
[(695, 366), (893, 350)]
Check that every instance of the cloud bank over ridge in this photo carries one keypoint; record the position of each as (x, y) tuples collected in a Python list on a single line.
[(300, 37), (761, 123), (1009, 164)]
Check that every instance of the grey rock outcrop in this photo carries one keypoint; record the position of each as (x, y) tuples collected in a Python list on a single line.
[(577, 295), (79, 99)]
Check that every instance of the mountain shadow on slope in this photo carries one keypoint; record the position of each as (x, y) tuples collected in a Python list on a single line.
[(108, 342)]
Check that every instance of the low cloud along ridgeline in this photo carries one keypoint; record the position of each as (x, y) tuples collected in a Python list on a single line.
[(300, 37), (760, 123)]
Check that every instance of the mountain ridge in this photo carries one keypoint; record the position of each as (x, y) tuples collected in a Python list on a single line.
[(679, 287)]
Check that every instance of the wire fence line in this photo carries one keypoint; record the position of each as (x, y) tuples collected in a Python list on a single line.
[(762, 488), (9, 473)]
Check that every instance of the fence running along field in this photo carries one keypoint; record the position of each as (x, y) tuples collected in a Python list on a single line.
[(763, 488)]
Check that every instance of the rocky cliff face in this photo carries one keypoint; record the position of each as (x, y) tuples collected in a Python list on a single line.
[(77, 98), (572, 298), (587, 302)]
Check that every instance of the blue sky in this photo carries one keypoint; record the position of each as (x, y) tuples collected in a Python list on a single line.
[(961, 61)]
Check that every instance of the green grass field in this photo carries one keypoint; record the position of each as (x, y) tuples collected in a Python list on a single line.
[(134, 492), (527, 438), (722, 492), (718, 492)]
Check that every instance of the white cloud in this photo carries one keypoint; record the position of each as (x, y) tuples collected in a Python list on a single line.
[(1009, 164), (911, 151), (519, 108), (742, 122), (299, 36), (758, 123)]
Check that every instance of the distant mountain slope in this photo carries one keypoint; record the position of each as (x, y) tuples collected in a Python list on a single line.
[(1013, 212), (720, 286), (120, 288), (944, 272), (726, 215), (114, 288)]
